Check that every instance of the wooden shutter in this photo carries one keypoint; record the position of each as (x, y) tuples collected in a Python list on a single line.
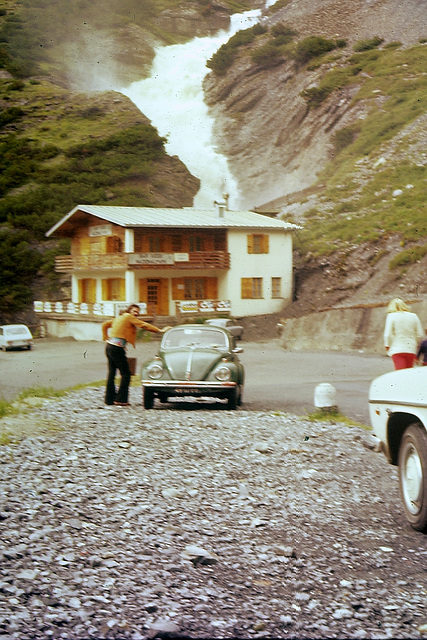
[(84, 246), (122, 289), (212, 288), (178, 288), (265, 243), (104, 289), (246, 288), (250, 244)]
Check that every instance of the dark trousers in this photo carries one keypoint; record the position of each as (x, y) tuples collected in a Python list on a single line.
[(117, 359)]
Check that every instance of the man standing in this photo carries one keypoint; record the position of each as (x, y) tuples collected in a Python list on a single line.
[(117, 333)]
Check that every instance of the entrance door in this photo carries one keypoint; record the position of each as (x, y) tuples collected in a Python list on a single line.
[(155, 291)]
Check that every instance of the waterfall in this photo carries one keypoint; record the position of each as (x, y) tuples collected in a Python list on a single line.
[(172, 98)]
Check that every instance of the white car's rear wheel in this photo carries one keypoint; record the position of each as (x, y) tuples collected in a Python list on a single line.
[(413, 475)]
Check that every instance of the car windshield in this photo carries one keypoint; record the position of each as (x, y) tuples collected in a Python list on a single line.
[(194, 337), (16, 331)]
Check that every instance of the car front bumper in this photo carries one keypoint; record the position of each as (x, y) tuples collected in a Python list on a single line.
[(189, 388)]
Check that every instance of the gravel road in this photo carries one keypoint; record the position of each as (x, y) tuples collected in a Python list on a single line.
[(124, 523)]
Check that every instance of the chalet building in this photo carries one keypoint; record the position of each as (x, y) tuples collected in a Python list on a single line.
[(174, 262)]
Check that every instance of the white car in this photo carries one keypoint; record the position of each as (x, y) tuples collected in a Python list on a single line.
[(225, 323), (15, 336), (398, 412)]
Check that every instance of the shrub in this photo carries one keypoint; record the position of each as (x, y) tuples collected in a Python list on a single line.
[(10, 115), (368, 43), (267, 56), (281, 29), (314, 96), (259, 29), (19, 265), (224, 57), (344, 137), (312, 47)]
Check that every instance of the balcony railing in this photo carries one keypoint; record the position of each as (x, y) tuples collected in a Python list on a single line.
[(198, 260)]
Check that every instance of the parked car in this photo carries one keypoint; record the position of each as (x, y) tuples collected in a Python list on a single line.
[(398, 412), (194, 360), (235, 329), (15, 336)]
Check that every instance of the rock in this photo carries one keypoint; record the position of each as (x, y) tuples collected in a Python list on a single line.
[(266, 543)]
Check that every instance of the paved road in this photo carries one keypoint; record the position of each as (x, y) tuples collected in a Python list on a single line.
[(275, 379)]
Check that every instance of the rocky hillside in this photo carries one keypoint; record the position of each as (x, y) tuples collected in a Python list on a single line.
[(335, 141), (320, 111)]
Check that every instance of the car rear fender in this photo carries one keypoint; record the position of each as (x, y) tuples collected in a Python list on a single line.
[(397, 423)]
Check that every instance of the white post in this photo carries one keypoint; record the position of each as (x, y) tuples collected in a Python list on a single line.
[(74, 288), (129, 241), (130, 286)]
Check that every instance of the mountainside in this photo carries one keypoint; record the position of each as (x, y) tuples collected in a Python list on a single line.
[(61, 144), (322, 116), (320, 110)]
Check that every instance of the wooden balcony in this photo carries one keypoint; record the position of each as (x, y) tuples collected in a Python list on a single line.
[(196, 260)]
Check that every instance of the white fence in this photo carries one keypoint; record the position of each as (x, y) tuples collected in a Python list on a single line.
[(84, 308)]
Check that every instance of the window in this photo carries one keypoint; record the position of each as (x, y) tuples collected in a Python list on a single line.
[(114, 244), (194, 288), (196, 243), (251, 288), (276, 287), (113, 289), (156, 245), (176, 244), (87, 290), (258, 243)]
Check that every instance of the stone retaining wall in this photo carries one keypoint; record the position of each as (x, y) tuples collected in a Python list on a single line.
[(353, 328)]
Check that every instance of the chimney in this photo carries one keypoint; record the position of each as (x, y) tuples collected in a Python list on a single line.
[(220, 207)]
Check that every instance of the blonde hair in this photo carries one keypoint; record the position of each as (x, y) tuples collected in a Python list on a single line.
[(397, 304)]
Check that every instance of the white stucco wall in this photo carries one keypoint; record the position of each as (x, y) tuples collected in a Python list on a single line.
[(277, 263)]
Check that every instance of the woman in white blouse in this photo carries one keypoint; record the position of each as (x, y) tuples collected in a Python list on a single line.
[(402, 334)]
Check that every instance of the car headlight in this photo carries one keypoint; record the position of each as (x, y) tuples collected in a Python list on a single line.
[(155, 371), (222, 373)]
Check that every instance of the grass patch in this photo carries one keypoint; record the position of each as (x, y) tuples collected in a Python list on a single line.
[(6, 408), (40, 392), (409, 256), (333, 415), (394, 90)]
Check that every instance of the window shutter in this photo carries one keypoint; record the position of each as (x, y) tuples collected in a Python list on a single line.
[(250, 246), (246, 288), (178, 291), (105, 289), (84, 246), (265, 244), (212, 288), (122, 289)]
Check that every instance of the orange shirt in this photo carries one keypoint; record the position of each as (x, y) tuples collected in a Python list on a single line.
[(125, 327)]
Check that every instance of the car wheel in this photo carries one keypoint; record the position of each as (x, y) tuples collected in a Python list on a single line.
[(147, 398), (232, 399), (413, 475)]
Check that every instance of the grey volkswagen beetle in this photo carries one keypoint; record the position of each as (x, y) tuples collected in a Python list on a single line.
[(195, 360)]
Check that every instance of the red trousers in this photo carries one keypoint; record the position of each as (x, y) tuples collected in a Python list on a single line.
[(403, 360)]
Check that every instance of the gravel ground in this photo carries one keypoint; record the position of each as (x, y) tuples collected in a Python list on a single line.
[(203, 523)]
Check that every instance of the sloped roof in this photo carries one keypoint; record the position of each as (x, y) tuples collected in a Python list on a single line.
[(134, 217)]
